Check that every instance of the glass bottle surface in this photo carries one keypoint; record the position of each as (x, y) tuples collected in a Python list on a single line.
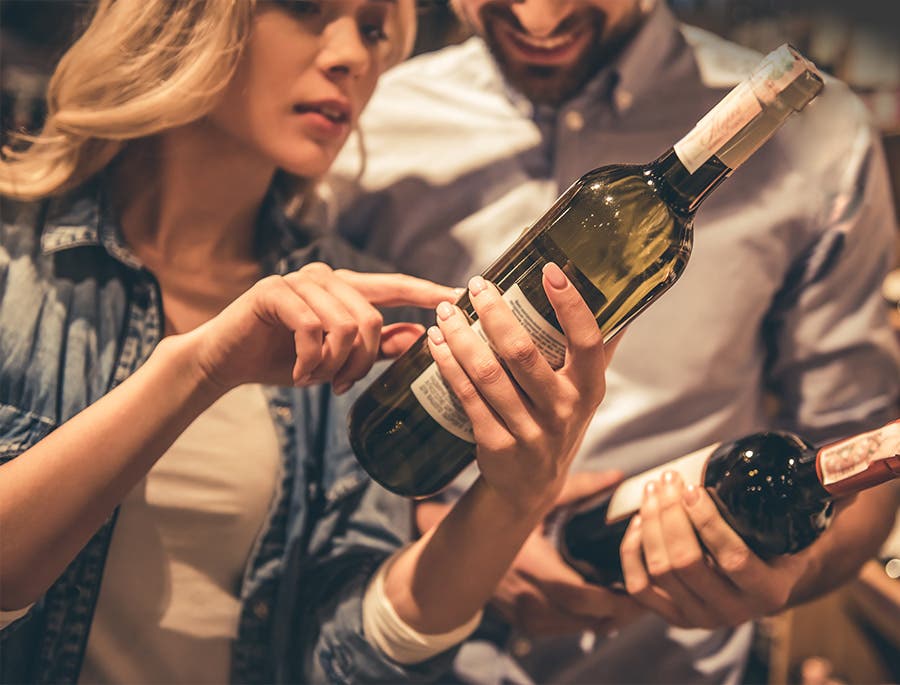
[(621, 233), (774, 489), (765, 485), (620, 243)]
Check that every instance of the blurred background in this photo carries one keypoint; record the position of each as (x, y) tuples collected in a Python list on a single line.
[(851, 636)]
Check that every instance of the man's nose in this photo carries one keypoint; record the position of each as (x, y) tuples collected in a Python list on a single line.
[(540, 18)]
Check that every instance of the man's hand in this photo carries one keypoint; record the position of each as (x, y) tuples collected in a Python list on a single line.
[(542, 595), (682, 560)]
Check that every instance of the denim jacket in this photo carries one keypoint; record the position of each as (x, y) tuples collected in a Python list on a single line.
[(78, 315)]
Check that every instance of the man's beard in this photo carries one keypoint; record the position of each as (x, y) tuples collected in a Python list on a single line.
[(552, 85)]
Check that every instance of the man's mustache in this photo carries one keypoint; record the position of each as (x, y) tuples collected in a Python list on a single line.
[(502, 12)]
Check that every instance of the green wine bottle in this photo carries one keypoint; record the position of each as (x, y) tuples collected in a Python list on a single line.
[(621, 233)]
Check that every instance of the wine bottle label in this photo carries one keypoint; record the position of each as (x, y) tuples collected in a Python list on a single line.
[(626, 500), (717, 132), (861, 461), (435, 395), (720, 125)]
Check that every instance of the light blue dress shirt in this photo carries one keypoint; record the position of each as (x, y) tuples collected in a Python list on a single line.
[(779, 299)]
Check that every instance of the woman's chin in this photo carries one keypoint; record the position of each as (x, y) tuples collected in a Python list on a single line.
[(308, 165)]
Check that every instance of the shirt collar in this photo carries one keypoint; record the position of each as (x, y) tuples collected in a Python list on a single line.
[(651, 52), (83, 217)]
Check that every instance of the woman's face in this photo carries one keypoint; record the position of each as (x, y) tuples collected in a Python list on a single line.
[(308, 69)]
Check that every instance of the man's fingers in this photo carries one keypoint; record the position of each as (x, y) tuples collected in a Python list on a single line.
[(637, 581), (724, 545)]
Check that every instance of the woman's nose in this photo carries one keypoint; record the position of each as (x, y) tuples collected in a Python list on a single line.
[(343, 50), (539, 18)]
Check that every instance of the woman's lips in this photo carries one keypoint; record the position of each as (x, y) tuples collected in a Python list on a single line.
[(330, 121)]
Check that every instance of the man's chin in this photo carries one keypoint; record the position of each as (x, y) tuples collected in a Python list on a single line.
[(546, 85)]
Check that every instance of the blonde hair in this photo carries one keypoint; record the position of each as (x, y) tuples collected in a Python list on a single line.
[(140, 67)]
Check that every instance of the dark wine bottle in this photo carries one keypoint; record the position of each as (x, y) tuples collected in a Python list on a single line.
[(621, 233), (775, 489)]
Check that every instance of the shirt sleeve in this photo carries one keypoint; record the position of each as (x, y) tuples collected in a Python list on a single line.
[(336, 646), (357, 528), (833, 358)]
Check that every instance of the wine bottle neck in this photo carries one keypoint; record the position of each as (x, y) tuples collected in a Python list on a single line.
[(784, 83), (860, 462), (683, 189)]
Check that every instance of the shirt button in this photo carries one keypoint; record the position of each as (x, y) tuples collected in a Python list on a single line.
[(520, 646), (261, 610), (624, 99), (574, 120)]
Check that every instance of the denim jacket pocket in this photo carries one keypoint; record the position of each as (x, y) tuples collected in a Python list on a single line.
[(19, 430)]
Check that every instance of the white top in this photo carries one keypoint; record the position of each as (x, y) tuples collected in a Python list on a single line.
[(169, 603)]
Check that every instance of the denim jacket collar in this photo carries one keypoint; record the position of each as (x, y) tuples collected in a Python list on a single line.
[(85, 218)]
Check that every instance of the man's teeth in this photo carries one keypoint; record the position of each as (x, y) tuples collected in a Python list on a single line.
[(547, 43)]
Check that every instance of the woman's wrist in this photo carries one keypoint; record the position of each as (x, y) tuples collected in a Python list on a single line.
[(177, 355), (519, 510)]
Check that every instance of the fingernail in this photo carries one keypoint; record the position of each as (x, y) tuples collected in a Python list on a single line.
[(650, 487), (459, 292), (435, 335), (691, 495), (636, 521), (555, 275), (477, 285), (340, 388), (670, 477), (445, 310)]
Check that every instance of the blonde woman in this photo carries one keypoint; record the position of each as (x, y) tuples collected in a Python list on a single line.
[(175, 357)]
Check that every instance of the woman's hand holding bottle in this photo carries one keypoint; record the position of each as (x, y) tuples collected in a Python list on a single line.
[(313, 325), (527, 418), (528, 421)]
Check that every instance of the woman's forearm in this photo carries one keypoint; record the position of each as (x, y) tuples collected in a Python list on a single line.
[(448, 575), (55, 495)]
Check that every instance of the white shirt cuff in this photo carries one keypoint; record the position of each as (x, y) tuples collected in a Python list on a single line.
[(396, 638)]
